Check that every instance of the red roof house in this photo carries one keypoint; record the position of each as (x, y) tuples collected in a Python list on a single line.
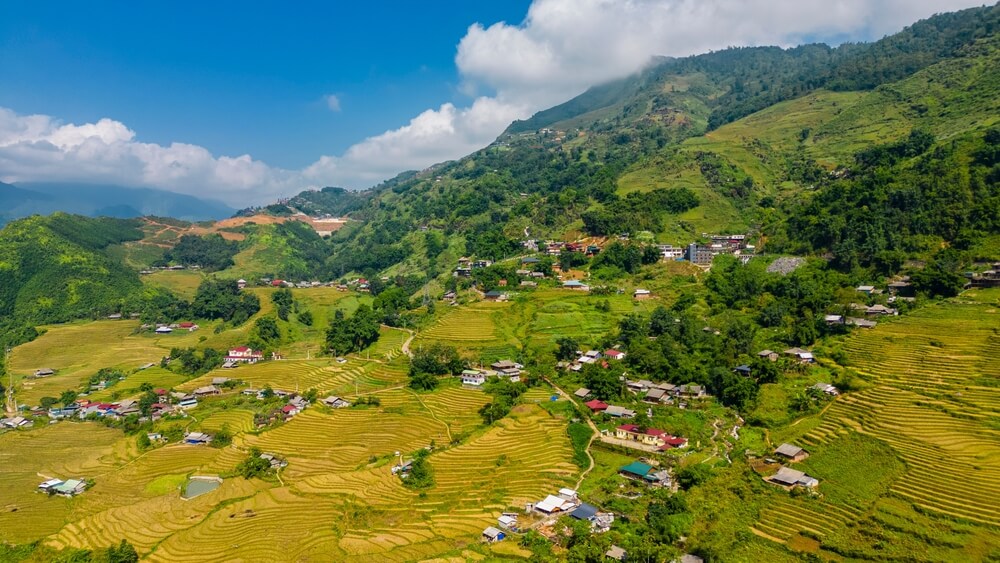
[(596, 405), (673, 442), (244, 354), (613, 354), (277, 283)]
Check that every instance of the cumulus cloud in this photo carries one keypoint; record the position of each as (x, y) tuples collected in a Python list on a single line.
[(40, 148), (332, 102), (561, 48)]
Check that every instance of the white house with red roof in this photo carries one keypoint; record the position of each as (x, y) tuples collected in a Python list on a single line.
[(649, 436), (244, 354), (613, 354)]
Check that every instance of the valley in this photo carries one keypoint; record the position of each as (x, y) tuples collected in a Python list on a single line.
[(739, 306)]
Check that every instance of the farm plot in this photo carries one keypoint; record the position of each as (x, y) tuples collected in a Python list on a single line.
[(575, 315), (316, 442), (62, 451), (182, 282), (77, 351), (366, 514), (155, 376), (929, 407), (525, 457), (456, 407), (472, 324), (237, 420)]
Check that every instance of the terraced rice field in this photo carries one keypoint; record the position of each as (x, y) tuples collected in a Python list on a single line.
[(317, 442), (337, 499), (155, 376), (456, 407), (934, 401), (237, 420), (77, 351), (471, 325), (325, 375), (61, 451)]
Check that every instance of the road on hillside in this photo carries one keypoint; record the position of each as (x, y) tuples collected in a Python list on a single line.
[(593, 427)]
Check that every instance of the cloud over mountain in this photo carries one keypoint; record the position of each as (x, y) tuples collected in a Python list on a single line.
[(511, 70)]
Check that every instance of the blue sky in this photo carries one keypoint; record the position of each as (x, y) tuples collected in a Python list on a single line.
[(230, 99), (238, 77)]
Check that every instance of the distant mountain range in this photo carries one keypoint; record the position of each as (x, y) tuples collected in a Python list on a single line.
[(96, 200)]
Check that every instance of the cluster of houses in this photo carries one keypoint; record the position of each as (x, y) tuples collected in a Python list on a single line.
[(989, 278), (466, 265), (789, 478), (294, 404), (798, 354), (658, 439), (503, 368), (555, 248), (565, 502), (67, 488), (197, 438), (593, 357), (174, 268)]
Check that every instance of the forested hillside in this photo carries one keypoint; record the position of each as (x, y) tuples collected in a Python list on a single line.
[(53, 269), (677, 151)]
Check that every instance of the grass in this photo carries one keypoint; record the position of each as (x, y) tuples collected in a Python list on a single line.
[(182, 282)]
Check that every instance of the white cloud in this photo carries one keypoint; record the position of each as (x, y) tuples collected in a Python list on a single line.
[(561, 48), (332, 102), (565, 46), (40, 148)]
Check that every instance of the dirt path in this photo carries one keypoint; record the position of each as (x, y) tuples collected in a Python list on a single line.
[(406, 343), (593, 436), (447, 427)]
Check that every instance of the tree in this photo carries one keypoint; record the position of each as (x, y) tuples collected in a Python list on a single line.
[(605, 384), (693, 475), (306, 317), (67, 397), (266, 329), (421, 474), (650, 254), (222, 299), (253, 465), (223, 437), (47, 402), (211, 252), (433, 360), (566, 348), (353, 334), (124, 552), (941, 276), (283, 301)]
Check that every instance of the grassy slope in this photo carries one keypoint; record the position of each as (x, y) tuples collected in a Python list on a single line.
[(949, 99)]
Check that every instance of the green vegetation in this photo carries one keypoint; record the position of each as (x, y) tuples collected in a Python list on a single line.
[(354, 333), (211, 252), (222, 299)]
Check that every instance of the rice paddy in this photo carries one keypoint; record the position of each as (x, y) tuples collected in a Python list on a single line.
[(933, 405)]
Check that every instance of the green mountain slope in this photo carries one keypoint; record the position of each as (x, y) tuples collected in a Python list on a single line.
[(54, 269), (606, 161)]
